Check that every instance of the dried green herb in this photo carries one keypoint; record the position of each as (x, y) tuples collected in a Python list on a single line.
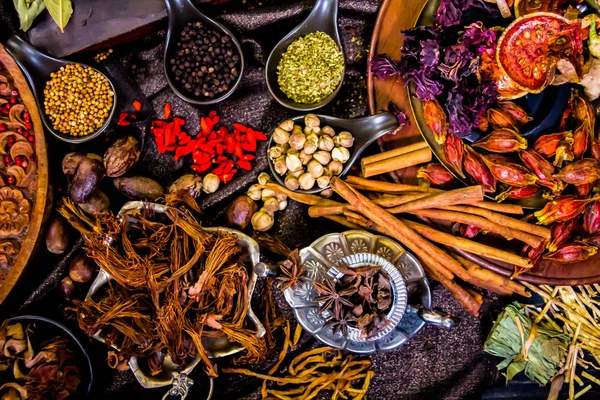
[(61, 11), (28, 10), (311, 68)]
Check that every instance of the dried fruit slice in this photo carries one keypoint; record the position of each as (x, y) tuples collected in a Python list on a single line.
[(530, 47), (524, 7), (507, 88)]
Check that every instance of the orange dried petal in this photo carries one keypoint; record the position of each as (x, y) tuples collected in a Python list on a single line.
[(502, 141), (546, 145), (515, 111), (436, 174), (572, 252), (435, 118), (580, 172), (510, 173), (500, 119), (476, 168), (453, 152)]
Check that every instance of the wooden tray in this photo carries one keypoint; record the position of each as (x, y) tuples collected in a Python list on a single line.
[(395, 16), (35, 193)]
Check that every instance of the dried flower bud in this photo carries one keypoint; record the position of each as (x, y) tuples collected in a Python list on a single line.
[(291, 182), (327, 193), (283, 205), (469, 231), (584, 191), (561, 209), (311, 146), (210, 183), (453, 152), (271, 204), (515, 111), (593, 240), (510, 173), (517, 193), (327, 130), (541, 168), (311, 120), (316, 130), (583, 110), (281, 136), (312, 137), (263, 178), (560, 233), (292, 160), (572, 252), (297, 141), (275, 151), (287, 125), (591, 218), (323, 181), (280, 165), (324, 157), (564, 153), (255, 192), (326, 143), (580, 172), (500, 119), (535, 253), (546, 145), (266, 193), (305, 158), (436, 174), (335, 168), (296, 174), (596, 149), (190, 183), (306, 181), (476, 168), (502, 141), (344, 139), (435, 118), (315, 168), (297, 129), (482, 123), (340, 154), (581, 140), (308, 131), (262, 221)]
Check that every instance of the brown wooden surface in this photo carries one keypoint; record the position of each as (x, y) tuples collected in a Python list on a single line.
[(38, 212), (395, 16)]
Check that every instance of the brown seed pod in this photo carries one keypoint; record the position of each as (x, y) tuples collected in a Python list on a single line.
[(580, 172), (502, 141), (87, 178), (57, 236), (240, 212), (121, 156), (81, 268), (190, 183), (139, 188), (98, 203), (453, 152)]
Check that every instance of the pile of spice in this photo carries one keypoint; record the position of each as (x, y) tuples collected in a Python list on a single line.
[(205, 62), (311, 155), (263, 219), (78, 100), (311, 68), (214, 149)]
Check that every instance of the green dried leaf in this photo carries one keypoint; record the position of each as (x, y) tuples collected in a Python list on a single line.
[(28, 10), (61, 11)]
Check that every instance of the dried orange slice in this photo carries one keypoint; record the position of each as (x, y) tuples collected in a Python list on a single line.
[(524, 7)]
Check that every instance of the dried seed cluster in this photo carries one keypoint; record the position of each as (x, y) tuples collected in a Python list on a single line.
[(78, 100)]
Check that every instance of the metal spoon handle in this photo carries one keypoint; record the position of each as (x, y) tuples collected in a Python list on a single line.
[(180, 7), (325, 12)]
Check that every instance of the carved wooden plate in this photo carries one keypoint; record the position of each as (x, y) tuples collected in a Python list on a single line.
[(395, 16), (23, 174)]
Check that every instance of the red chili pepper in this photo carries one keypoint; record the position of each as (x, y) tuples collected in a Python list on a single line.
[(201, 168), (123, 119), (219, 170), (238, 151), (160, 144), (159, 123), (244, 165), (228, 166), (240, 127), (158, 131), (176, 129), (248, 157), (249, 146), (227, 177), (259, 135), (184, 138), (205, 126), (182, 151), (222, 159), (167, 111), (137, 105), (200, 140), (200, 157), (169, 135), (220, 149), (212, 136), (179, 121), (223, 131)]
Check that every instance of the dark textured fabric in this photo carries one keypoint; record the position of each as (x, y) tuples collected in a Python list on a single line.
[(436, 364)]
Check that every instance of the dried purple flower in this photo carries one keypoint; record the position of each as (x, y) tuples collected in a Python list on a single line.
[(426, 88), (382, 66), (402, 117), (449, 13)]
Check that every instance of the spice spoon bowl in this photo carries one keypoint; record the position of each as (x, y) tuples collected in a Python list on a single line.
[(181, 12), (365, 130), (323, 18), (37, 67)]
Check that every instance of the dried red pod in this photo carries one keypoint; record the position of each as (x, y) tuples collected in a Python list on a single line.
[(436, 174), (517, 193), (476, 168), (583, 110), (581, 140), (516, 112), (510, 173), (564, 119), (542, 169), (593, 240), (564, 153), (500, 119), (547, 145), (596, 149), (469, 231), (591, 218), (435, 118), (497, 158), (453, 152), (584, 191), (561, 232), (483, 123), (561, 209), (534, 253), (572, 252), (580, 172), (502, 141)]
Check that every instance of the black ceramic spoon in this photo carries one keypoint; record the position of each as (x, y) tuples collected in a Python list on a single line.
[(323, 18), (37, 68), (365, 131), (180, 13)]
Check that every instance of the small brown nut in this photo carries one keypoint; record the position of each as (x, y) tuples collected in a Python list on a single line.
[(121, 156), (139, 188), (98, 203), (69, 163), (87, 178), (190, 183), (240, 212), (81, 268), (57, 236)]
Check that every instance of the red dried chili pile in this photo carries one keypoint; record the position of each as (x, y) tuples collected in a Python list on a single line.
[(214, 149)]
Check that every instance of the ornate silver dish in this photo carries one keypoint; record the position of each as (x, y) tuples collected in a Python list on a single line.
[(249, 256), (412, 296)]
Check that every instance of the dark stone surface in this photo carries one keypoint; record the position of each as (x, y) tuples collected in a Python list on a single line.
[(436, 364)]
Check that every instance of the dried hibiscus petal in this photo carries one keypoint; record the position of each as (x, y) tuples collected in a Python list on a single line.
[(534, 253), (580, 172), (435, 118), (584, 190), (517, 193), (547, 145), (501, 119), (581, 140), (596, 149), (502, 141), (476, 168), (561, 209), (510, 173), (436, 174), (591, 217), (572, 252), (516, 112), (542, 169), (453, 152), (560, 233)]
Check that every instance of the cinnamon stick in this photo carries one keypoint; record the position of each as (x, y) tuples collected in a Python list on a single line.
[(303, 198), (343, 221), (398, 162), (465, 244), (384, 187), (485, 224), (465, 195), (503, 220), (389, 201), (393, 153), (420, 246), (492, 206)]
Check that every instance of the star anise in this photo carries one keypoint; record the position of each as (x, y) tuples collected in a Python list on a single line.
[(380, 322), (341, 322), (331, 297), (366, 290), (292, 271)]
